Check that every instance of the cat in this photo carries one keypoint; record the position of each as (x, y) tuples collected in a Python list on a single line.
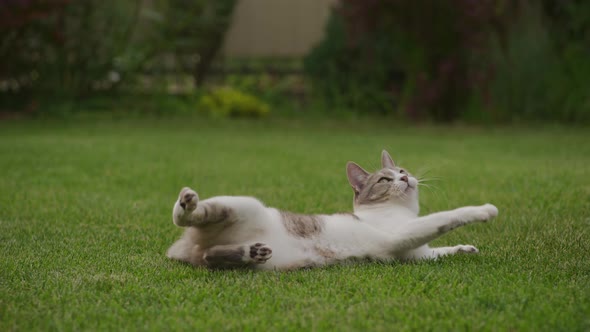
[(232, 231)]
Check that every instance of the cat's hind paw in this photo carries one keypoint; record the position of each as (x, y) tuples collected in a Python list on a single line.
[(188, 199), (260, 253), (467, 249), (184, 206)]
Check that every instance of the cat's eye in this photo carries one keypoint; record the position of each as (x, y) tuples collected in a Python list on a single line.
[(402, 171), (384, 179)]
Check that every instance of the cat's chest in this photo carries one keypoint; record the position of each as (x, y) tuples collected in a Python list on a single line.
[(388, 221)]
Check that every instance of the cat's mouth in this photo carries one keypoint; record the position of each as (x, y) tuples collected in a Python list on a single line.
[(409, 186), (404, 187)]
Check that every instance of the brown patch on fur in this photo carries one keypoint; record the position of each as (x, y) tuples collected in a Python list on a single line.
[(302, 225), (224, 256), (303, 264), (447, 228), (324, 252), (210, 213)]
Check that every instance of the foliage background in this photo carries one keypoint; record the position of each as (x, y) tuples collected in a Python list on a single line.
[(76, 49), (475, 61), (443, 60)]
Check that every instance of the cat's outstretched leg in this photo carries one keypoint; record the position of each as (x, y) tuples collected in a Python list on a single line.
[(226, 256), (425, 252), (425, 229), (461, 248)]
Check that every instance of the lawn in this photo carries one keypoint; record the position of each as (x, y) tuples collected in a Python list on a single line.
[(85, 220)]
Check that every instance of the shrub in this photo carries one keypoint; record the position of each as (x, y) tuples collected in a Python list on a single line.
[(360, 76), (63, 46), (538, 76), (457, 59), (74, 48), (229, 102), (413, 57), (191, 31)]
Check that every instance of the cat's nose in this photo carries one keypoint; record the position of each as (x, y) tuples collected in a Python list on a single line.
[(404, 178)]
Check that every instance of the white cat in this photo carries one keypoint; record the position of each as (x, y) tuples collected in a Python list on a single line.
[(230, 231)]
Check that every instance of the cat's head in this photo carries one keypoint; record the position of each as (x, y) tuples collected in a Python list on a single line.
[(390, 185)]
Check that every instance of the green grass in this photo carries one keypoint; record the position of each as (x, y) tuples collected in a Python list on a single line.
[(85, 220)]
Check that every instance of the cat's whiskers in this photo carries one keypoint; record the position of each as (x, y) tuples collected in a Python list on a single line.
[(439, 193), (428, 179), (427, 185), (424, 180), (423, 171), (432, 189), (373, 166)]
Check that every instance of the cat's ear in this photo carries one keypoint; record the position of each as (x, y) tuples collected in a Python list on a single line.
[(356, 176), (386, 161)]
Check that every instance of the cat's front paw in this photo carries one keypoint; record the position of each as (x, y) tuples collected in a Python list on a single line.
[(188, 199), (482, 213), (489, 211)]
